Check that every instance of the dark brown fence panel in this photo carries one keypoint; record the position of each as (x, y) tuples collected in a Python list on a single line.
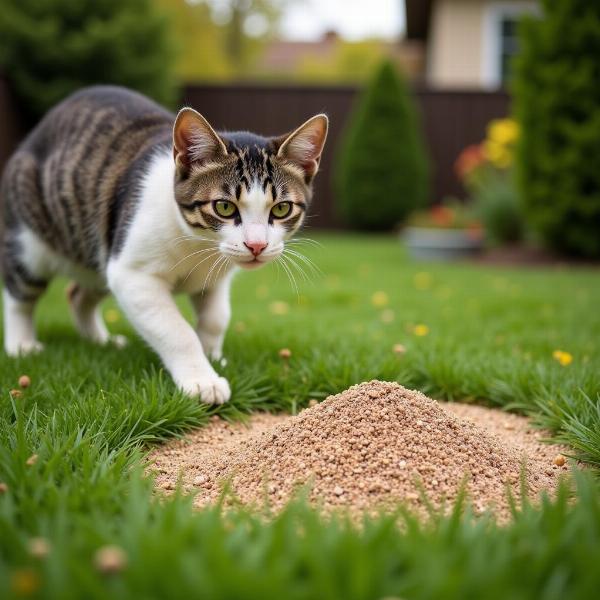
[(10, 123), (451, 121)]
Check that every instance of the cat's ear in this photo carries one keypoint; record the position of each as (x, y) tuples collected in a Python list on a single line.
[(194, 140), (304, 146)]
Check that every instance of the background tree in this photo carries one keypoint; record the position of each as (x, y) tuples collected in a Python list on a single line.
[(557, 103), (349, 62), (200, 42), (247, 25), (382, 168), (53, 47)]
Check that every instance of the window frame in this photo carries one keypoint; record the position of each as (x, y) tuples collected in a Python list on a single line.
[(494, 13)]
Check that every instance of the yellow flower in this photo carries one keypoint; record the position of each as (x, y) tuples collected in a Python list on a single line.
[(420, 330), (564, 358), (379, 299), (499, 155), (503, 131)]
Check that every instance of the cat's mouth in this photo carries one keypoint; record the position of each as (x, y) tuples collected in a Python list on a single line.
[(253, 263)]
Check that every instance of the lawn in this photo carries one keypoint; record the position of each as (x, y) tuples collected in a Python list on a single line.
[(469, 333)]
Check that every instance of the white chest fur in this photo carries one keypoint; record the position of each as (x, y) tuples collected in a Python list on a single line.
[(159, 244)]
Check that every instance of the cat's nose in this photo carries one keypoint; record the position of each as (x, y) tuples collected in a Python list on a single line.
[(255, 247)]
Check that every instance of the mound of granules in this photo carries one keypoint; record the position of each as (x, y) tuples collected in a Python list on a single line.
[(369, 447)]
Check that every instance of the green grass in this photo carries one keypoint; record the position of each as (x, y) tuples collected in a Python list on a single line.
[(91, 412)]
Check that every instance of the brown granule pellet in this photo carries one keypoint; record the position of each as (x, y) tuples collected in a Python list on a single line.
[(372, 446), (110, 560), (24, 381)]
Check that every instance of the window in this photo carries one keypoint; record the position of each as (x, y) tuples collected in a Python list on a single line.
[(509, 45), (500, 40)]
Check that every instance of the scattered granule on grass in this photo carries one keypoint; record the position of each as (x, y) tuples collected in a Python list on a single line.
[(369, 447)]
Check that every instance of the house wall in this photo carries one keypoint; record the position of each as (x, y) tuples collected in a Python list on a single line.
[(455, 36), (464, 43)]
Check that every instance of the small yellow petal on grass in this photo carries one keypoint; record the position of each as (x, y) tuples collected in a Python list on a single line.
[(24, 582), (279, 307), (423, 280), (112, 315), (564, 358), (380, 299), (420, 330)]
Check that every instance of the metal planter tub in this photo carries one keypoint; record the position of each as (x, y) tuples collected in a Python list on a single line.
[(428, 243)]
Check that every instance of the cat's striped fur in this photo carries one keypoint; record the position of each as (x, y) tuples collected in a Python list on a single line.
[(109, 181)]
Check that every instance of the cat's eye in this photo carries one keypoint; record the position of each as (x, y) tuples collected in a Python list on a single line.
[(281, 210), (225, 209)]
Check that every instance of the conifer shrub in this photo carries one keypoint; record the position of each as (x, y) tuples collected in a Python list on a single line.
[(382, 169), (557, 103), (50, 48)]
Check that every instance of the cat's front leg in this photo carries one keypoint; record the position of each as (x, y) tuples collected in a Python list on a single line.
[(213, 312), (147, 302)]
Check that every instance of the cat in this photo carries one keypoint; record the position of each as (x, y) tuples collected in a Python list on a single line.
[(122, 196)]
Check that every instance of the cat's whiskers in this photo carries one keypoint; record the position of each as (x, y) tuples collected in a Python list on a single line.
[(189, 238), (286, 268), (296, 266), (190, 256), (220, 262), (307, 261), (204, 259), (305, 240), (224, 264)]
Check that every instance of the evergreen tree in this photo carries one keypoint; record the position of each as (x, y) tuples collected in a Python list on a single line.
[(557, 103), (50, 48), (382, 168)]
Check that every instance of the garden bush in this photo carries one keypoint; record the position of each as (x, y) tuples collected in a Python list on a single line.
[(382, 168), (53, 47), (557, 102)]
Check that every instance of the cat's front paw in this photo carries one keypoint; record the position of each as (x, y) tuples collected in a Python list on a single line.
[(211, 389), (118, 340), (24, 348)]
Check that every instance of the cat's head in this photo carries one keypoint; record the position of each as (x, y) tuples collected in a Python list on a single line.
[(247, 193)]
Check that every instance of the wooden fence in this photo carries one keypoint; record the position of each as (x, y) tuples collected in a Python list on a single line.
[(451, 120)]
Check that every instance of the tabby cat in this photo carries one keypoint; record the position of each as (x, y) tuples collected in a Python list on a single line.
[(120, 195)]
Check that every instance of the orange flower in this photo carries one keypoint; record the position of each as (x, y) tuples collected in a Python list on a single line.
[(468, 160), (442, 216)]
